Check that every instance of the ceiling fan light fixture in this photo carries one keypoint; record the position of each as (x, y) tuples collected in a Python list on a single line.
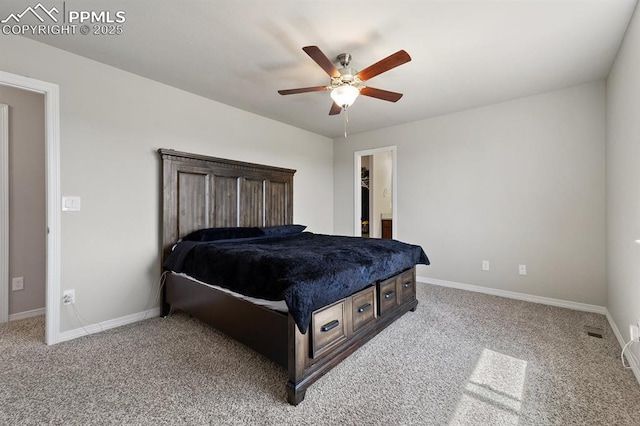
[(345, 95)]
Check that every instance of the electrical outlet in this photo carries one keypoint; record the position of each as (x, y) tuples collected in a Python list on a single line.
[(485, 265), (17, 283), (633, 332), (68, 297), (522, 269)]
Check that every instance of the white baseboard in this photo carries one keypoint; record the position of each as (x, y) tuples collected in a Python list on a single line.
[(27, 314), (515, 295), (631, 360), (106, 325)]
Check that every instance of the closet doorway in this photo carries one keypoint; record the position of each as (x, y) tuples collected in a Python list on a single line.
[(375, 183)]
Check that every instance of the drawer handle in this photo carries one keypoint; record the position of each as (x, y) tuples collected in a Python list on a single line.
[(389, 295), (407, 284), (330, 326), (363, 308)]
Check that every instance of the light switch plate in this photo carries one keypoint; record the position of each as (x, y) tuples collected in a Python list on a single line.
[(71, 204)]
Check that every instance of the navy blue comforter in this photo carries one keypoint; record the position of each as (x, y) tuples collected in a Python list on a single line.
[(306, 270)]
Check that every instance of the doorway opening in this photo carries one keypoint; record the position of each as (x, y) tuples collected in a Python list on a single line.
[(53, 204), (375, 183)]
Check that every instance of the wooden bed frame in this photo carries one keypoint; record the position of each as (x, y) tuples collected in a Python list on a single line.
[(204, 192)]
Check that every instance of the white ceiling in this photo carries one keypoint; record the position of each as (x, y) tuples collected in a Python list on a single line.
[(465, 53)]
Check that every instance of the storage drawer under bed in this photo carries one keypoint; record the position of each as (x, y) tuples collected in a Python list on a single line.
[(329, 327), (396, 290), (387, 295), (407, 286), (363, 307)]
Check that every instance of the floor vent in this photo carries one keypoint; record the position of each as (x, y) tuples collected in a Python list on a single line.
[(594, 331)]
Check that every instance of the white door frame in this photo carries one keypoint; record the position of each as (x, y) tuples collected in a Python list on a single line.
[(53, 201), (4, 213), (357, 192)]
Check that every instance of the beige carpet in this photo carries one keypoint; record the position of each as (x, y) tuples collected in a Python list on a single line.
[(461, 358)]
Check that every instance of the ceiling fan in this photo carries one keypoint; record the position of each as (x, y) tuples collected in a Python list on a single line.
[(346, 83)]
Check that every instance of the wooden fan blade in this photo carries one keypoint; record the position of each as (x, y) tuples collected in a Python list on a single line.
[(303, 90), (390, 62), (385, 95), (321, 59), (335, 109)]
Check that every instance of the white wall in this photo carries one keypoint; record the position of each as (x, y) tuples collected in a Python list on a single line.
[(623, 182), (517, 182), (27, 221), (112, 123)]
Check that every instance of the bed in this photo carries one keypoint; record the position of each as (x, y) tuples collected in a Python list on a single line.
[(249, 209)]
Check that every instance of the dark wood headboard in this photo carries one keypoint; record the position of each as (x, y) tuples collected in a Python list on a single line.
[(207, 192)]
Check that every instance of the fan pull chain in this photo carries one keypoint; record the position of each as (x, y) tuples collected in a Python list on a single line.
[(346, 120)]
